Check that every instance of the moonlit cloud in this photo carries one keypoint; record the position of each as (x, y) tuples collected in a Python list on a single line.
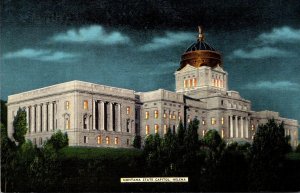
[(41, 55), (168, 40), (92, 34), (262, 52), (284, 34), (276, 85)]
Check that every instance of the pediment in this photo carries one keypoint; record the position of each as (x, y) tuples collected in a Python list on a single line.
[(218, 68), (188, 68)]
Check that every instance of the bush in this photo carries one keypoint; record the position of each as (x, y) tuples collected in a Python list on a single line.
[(58, 140)]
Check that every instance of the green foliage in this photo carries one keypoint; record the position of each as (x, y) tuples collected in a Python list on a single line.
[(137, 142), (181, 133), (3, 113), (58, 140), (20, 126), (268, 151), (297, 148)]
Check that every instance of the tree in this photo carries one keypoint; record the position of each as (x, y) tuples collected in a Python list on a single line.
[(267, 155), (58, 140), (20, 126), (181, 133), (3, 113), (137, 142)]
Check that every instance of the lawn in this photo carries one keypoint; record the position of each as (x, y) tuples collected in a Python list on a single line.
[(293, 156), (98, 153)]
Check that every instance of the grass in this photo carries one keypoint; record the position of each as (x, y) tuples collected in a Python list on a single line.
[(293, 156), (98, 153)]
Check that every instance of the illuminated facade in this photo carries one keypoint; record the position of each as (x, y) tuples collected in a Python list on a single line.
[(98, 115)]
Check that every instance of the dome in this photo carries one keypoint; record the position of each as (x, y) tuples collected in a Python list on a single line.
[(200, 53)]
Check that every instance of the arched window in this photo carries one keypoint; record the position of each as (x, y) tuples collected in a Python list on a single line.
[(99, 139), (147, 115), (128, 110), (147, 129), (156, 114), (156, 128), (116, 140), (107, 141), (165, 129), (67, 121), (85, 120)]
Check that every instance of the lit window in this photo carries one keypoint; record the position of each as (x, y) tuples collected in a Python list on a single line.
[(194, 82), (99, 139), (174, 116), (85, 139), (107, 140), (203, 133), (185, 83), (165, 129), (147, 115), (67, 124), (147, 129), (170, 116), (128, 110), (67, 105), (116, 140), (85, 104), (213, 121), (179, 116), (203, 121), (222, 120), (189, 120), (165, 114), (222, 133), (252, 136), (252, 127), (156, 114), (212, 82), (156, 128), (191, 83)]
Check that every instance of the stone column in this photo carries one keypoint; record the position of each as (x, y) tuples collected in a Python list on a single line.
[(111, 116), (32, 119), (94, 114), (44, 115), (242, 127), (236, 127), (27, 118), (99, 114), (247, 127), (231, 127), (102, 115), (50, 118), (119, 118)]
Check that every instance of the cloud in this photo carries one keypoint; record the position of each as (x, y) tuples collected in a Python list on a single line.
[(283, 34), (262, 52), (168, 40), (41, 55), (276, 85), (91, 34)]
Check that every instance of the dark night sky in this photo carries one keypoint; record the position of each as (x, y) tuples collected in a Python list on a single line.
[(138, 44)]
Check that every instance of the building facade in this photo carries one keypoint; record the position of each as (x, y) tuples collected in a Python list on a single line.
[(102, 116)]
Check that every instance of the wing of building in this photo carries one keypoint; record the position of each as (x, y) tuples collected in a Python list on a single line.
[(98, 115)]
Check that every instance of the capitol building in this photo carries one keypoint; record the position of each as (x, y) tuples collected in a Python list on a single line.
[(102, 116)]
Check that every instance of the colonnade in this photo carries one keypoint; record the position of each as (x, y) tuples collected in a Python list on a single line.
[(106, 116), (41, 117), (239, 126)]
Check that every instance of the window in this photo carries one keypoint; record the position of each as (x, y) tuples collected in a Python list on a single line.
[(41, 141), (185, 83), (165, 129), (222, 102), (116, 140), (252, 127), (107, 140), (194, 82), (170, 115), (213, 121), (156, 128), (156, 114), (203, 132), (67, 105), (188, 120), (165, 114), (128, 110), (179, 116), (191, 83), (174, 116), (222, 133), (128, 142), (85, 122), (147, 115), (67, 123), (85, 105), (147, 129), (99, 139), (85, 139), (222, 120)]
